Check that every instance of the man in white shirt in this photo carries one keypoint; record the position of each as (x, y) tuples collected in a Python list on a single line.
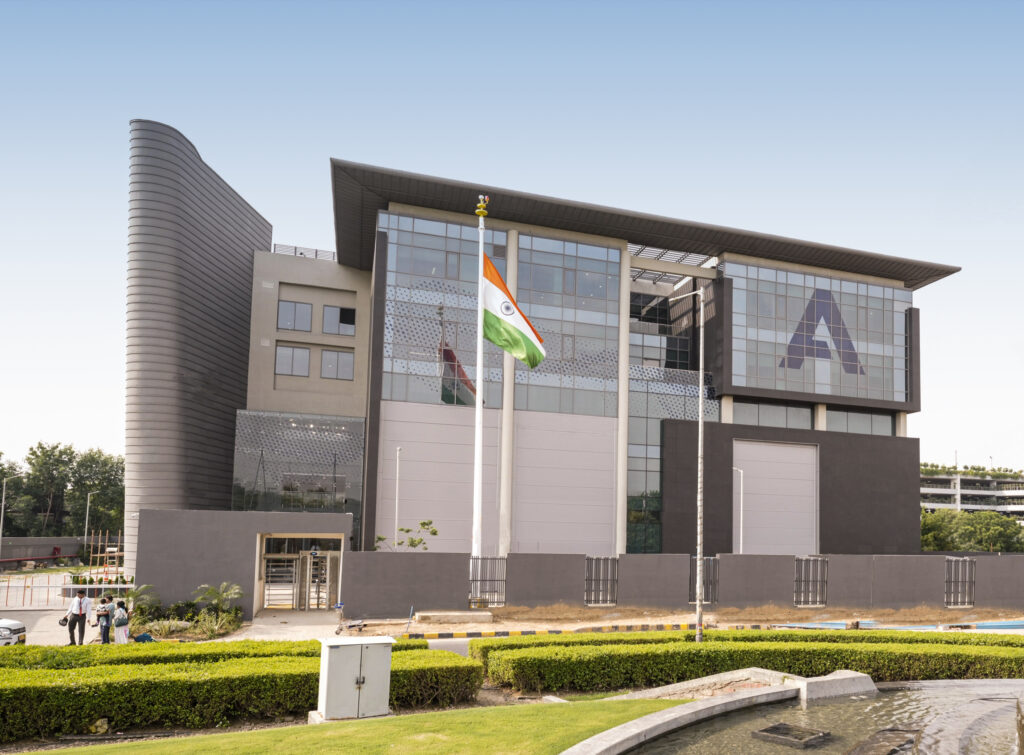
[(78, 615)]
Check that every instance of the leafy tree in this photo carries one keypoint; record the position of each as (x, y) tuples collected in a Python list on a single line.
[(412, 542), (937, 530), (50, 469), (102, 475), (987, 531)]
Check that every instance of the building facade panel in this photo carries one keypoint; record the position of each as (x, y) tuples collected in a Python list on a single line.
[(190, 247)]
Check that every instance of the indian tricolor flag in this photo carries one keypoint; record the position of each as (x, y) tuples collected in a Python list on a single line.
[(504, 323)]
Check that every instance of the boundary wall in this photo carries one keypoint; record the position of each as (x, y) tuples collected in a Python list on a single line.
[(384, 584)]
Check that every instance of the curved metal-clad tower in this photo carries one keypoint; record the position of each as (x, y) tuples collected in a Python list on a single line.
[(191, 240)]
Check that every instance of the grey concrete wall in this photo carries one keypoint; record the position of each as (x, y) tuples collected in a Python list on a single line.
[(191, 239), (755, 580), (26, 548), (901, 581), (869, 488), (180, 550), (563, 479), (437, 473), (1000, 581), (538, 579), (382, 584), (282, 277), (661, 580), (849, 580)]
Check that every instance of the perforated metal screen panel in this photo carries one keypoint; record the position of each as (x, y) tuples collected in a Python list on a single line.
[(779, 509)]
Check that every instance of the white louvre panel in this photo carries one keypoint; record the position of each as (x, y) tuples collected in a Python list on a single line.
[(780, 498)]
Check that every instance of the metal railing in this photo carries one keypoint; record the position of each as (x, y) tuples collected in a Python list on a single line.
[(810, 581), (305, 251), (601, 585), (487, 581), (710, 579), (960, 577)]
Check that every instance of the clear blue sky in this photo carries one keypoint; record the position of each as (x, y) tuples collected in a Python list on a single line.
[(895, 127)]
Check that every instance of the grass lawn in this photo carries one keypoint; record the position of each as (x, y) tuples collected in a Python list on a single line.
[(537, 728)]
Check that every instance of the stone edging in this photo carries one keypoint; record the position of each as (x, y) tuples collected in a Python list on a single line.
[(634, 733)]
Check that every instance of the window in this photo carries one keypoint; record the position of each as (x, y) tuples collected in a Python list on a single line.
[(292, 360), (293, 315), (339, 321), (337, 365), (864, 423), (794, 417)]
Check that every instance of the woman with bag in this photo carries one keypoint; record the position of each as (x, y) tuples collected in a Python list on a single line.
[(121, 624)]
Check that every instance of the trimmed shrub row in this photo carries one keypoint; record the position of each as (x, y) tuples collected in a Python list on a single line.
[(482, 648), (594, 667), (45, 703), (82, 656)]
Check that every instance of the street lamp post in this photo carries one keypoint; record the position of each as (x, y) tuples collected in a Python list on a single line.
[(3, 508), (398, 479), (699, 293), (737, 469), (88, 500)]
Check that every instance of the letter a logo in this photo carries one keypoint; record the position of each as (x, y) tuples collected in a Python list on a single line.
[(821, 308)]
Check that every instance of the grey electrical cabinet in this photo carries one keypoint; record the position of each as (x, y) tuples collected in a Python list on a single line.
[(355, 678)]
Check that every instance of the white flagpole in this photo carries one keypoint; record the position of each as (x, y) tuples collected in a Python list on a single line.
[(478, 415)]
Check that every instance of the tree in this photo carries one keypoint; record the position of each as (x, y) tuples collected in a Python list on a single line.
[(412, 542), (987, 531), (50, 469), (937, 530), (102, 475)]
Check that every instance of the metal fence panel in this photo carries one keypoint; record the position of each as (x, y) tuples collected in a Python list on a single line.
[(710, 579), (601, 586), (487, 581), (810, 581), (960, 577)]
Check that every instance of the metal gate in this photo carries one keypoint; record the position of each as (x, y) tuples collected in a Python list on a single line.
[(279, 583), (810, 581), (960, 574), (487, 581), (318, 583), (601, 586), (710, 579)]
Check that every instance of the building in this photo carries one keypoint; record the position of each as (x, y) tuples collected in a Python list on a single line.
[(973, 489), (270, 378)]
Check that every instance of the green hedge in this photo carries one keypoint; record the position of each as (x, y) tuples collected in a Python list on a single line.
[(49, 702), (595, 667), (481, 648), (80, 656)]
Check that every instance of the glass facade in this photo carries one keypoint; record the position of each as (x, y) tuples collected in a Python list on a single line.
[(792, 416), (865, 423), (430, 312), (570, 292), (298, 462), (660, 387), (818, 334)]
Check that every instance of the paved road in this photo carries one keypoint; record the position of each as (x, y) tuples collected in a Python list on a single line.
[(456, 646)]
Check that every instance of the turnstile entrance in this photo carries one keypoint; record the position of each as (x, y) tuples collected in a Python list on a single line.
[(302, 581)]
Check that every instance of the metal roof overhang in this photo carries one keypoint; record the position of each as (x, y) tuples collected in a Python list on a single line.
[(360, 191)]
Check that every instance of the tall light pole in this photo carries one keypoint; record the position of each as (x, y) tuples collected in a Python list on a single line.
[(88, 500), (737, 469), (398, 479), (699, 293), (3, 507)]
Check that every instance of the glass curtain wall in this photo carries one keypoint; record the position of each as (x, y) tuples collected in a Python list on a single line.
[(570, 292), (661, 386), (430, 312), (819, 334)]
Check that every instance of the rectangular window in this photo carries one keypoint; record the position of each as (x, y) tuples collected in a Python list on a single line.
[(339, 321), (292, 360), (294, 315), (337, 365)]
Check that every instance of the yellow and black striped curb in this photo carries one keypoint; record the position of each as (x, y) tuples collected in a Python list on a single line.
[(539, 632)]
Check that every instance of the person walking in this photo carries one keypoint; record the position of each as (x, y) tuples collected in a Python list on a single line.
[(103, 618), (121, 624), (78, 616)]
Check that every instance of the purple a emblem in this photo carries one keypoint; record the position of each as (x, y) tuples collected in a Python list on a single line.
[(821, 307)]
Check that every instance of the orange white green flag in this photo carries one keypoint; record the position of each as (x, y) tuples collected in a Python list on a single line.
[(505, 325)]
